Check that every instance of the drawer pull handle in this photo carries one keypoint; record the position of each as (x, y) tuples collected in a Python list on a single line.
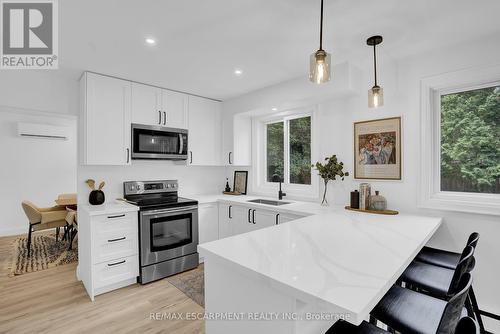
[(117, 216), (118, 239), (117, 263)]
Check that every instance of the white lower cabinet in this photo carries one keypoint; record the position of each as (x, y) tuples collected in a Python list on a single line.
[(237, 219), (108, 252), (208, 223), (287, 217), (264, 218)]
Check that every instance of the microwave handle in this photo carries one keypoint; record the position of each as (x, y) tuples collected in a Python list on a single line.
[(181, 145)]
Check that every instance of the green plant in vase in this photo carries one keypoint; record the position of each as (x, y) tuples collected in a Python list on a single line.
[(329, 172)]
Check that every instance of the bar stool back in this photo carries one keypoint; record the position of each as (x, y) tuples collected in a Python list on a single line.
[(453, 311)]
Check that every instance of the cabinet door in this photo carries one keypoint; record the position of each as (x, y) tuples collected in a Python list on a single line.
[(106, 117), (175, 106), (241, 220), (146, 105), (208, 222), (224, 221), (204, 132), (264, 218), (237, 146), (287, 217)]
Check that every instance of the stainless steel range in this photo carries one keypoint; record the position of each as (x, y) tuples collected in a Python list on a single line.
[(168, 228)]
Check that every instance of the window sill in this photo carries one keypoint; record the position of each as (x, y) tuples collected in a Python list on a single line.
[(486, 204)]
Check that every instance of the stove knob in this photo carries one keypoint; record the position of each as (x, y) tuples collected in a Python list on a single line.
[(168, 185)]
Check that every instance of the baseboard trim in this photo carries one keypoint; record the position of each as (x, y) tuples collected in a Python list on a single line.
[(13, 231)]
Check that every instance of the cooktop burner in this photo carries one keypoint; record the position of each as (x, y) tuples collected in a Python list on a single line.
[(162, 202)]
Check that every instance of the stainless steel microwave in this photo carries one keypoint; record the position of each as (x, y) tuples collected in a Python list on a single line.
[(154, 142)]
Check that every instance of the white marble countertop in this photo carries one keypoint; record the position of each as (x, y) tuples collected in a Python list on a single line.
[(343, 260), (108, 208), (296, 207)]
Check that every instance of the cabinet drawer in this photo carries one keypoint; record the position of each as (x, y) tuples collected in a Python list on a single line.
[(115, 271), (113, 222), (114, 244)]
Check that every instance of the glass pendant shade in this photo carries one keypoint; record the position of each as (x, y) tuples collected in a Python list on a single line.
[(375, 97), (319, 67)]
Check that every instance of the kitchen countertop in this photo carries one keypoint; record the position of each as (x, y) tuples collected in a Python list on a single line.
[(295, 207), (108, 208), (341, 259)]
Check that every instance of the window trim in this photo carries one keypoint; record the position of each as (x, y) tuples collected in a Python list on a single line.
[(429, 191), (260, 183)]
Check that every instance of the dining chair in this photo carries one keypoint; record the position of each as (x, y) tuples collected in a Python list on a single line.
[(466, 325), (411, 312), (42, 219)]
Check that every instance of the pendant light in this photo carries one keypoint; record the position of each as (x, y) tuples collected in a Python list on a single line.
[(376, 93), (319, 63)]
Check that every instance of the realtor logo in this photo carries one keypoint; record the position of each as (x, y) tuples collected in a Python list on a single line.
[(29, 34)]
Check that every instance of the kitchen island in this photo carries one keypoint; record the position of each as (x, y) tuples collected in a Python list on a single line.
[(302, 276)]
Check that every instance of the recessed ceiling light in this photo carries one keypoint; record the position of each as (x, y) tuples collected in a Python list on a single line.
[(238, 71), (150, 41), (274, 109)]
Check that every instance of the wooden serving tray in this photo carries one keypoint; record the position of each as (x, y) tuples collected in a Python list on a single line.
[(381, 212), (235, 193)]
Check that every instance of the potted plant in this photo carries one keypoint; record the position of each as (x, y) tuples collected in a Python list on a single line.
[(329, 171)]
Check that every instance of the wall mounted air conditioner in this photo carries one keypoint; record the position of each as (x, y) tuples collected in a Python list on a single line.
[(42, 131)]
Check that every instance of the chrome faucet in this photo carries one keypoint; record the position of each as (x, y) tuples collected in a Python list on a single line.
[(277, 178)]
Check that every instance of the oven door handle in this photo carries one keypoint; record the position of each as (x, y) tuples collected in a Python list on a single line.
[(162, 211)]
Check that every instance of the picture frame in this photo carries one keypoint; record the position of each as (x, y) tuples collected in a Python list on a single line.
[(377, 149), (240, 181)]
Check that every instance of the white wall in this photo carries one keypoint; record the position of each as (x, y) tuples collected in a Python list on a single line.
[(33, 169), (192, 179), (401, 83)]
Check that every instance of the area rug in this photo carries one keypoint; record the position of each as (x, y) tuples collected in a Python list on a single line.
[(45, 253), (191, 283)]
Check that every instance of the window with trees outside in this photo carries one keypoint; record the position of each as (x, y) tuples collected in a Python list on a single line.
[(470, 141), (288, 150)]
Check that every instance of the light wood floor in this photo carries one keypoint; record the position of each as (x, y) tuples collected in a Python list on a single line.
[(53, 301)]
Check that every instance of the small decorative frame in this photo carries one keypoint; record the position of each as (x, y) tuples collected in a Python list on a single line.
[(377, 149), (240, 181)]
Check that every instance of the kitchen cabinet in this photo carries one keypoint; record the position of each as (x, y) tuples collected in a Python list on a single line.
[(238, 218), (156, 106), (105, 121), (108, 251), (208, 222), (264, 218), (287, 217), (237, 139), (233, 220), (205, 139)]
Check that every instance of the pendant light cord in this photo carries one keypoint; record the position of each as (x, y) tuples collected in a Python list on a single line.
[(321, 28), (375, 63)]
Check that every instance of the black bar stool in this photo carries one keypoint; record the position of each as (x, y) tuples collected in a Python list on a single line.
[(437, 281), (410, 312), (444, 258), (466, 325)]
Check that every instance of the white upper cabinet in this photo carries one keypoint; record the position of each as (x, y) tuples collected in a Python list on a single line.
[(155, 106), (204, 138), (146, 105), (237, 148), (106, 114), (175, 106)]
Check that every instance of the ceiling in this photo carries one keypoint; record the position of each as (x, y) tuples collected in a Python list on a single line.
[(200, 43)]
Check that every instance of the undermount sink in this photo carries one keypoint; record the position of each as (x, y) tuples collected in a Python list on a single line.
[(268, 202)]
